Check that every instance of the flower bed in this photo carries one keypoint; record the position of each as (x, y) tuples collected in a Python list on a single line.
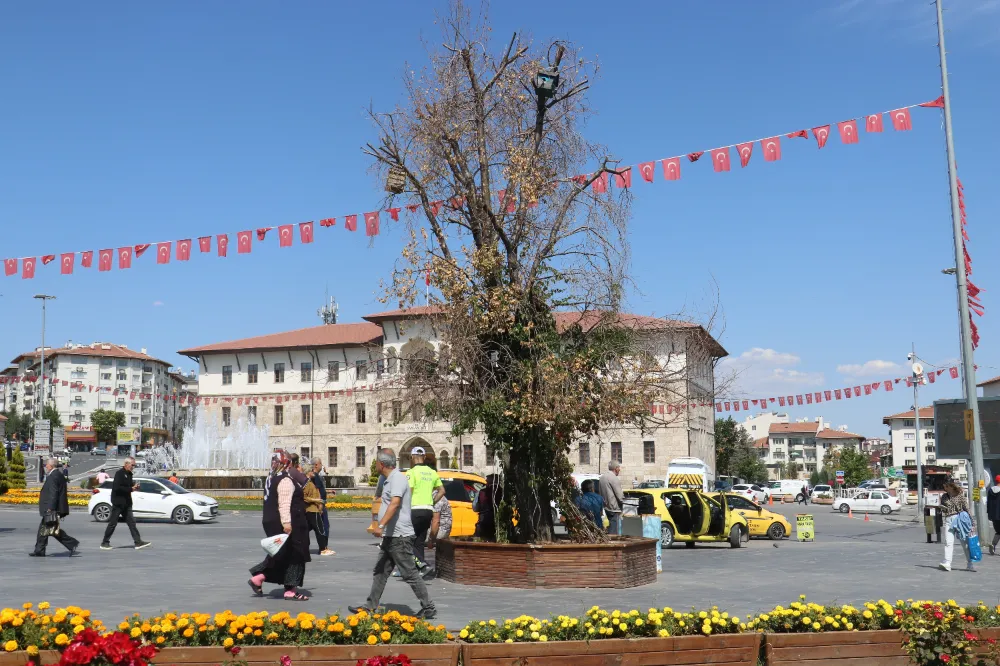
[(20, 496)]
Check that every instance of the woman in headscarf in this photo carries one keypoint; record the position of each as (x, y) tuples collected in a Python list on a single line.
[(285, 512)]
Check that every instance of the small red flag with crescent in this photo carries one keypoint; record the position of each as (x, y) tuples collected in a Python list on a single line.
[(720, 159), (285, 235), (163, 253), (745, 150), (646, 171), (672, 168), (848, 131), (66, 262), (873, 123), (771, 148), (821, 133), (901, 119)]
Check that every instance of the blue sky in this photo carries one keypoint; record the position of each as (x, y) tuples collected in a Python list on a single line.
[(127, 123)]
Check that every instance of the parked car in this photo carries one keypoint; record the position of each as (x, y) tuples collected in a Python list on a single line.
[(791, 487), (762, 523), (655, 483), (460, 488), (873, 484), (156, 497), (822, 490), (691, 516), (868, 500), (98, 452), (752, 491)]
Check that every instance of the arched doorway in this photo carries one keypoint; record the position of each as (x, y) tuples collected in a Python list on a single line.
[(444, 459), (404, 462)]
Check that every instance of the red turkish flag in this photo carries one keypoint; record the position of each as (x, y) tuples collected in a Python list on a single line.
[(718, 406), (412, 207), (798, 400), (819, 397), (394, 213), (727, 406), (857, 391), (736, 405), (826, 394), (9, 266), (672, 168), (822, 134), (931, 376), (306, 232), (511, 203), (934, 103), (262, 232), (781, 400), (624, 179), (163, 251), (836, 393), (222, 242), (244, 242), (646, 171), (901, 119), (184, 250), (848, 131), (801, 134), (435, 209), (771, 148), (953, 371), (695, 156), (790, 400), (205, 243), (745, 150), (873, 123), (720, 159), (888, 384), (371, 224), (285, 235), (868, 389), (351, 221), (87, 259), (104, 259), (328, 222), (124, 257), (48, 259), (600, 184), (141, 249), (27, 268)]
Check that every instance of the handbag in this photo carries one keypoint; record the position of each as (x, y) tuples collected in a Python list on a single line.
[(975, 550), (273, 544), (50, 524)]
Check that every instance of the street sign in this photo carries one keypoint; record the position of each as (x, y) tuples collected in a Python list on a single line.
[(804, 527), (58, 440), (970, 425), (43, 434)]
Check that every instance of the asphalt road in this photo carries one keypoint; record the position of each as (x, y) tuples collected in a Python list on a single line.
[(203, 567)]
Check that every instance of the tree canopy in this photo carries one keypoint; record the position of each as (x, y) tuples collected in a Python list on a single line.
[(734, 452), (106, 423)]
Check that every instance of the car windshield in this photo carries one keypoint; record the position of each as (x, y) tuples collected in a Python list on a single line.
[(173, 486)]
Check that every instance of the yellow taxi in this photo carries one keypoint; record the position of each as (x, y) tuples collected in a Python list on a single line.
[(691, 516), (761, 521), (460, 488)]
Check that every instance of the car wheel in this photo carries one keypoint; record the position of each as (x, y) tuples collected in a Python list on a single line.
[(689, 544), (182, 515), (776, 532), (886, 509), (845, 508), (102, 513), (666, 536), (735, 537)]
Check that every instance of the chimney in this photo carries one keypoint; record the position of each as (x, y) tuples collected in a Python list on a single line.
[(142, 350)]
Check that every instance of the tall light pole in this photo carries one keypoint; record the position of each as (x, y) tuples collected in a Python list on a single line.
[(41, 393), (968, 366), (918, 376)]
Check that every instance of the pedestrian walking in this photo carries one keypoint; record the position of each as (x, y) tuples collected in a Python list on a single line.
[(53, 504), (320, 480), (958, 522), (804, 496), (102, 476), (611, 493), (284, 512), (314, 510), (426, 489), (590, 504), (485, 504), (173, 478), (395, 528), (121, 505), (441, 522), (993, 512)]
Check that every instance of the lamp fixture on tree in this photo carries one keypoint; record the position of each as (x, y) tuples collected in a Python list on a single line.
[(546, 82)]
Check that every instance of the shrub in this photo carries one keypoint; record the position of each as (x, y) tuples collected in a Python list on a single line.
[(3, 475), (15, 477)]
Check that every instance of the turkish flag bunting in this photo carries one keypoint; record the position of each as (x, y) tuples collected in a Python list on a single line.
[(222, 242), (836, 393), (184, 250), (888, 384), (857, 391), (163, 251), (809, 398), (48, 259), (746, 405), (822, 134), (745, 150), (901, 119), (624, 179), (244, 241), (104, 259), (718, 406), (720, 159), (934, 103), (285, 235), (371, 223), (435, 209), (848, 131), (262, 232), (456, 202), (873, 123), (791, 400), (600, 184), (727, 406), (87, 259), (646, 171), (736, 405), (771, 148), (66, 261), (801, 134), (819, 397), (351, 221), (781, 400), (205, 243), (876, 385), (868, 389), (306, 231), (9, 266), (330, 221), (511, 203), (27, 268), (695, 156), (931, 377), (798, 400), (140, 249), (124, 257), (672, 168), (412, 207), (394, 213), (953, 372)]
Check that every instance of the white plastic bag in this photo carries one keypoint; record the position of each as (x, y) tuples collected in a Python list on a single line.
[(273, 544)]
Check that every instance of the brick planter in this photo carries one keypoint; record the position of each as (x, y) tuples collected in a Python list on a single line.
[(625, 562), (848, 648), (734, 650)]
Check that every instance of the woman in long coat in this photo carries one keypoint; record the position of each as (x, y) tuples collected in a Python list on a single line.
[(285, 512)]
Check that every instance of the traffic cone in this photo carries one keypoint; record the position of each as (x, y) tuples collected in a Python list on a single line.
[(770, 500), (850, 512), (866, 516)]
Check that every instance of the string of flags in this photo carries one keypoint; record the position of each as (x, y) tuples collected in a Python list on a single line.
[(975, 305), (181, 250)]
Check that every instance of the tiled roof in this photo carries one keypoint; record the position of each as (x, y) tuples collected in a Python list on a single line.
[(837, 434), (327, 335), (760, 443), (990, 381), (925, 413), (94, 349), (803, 428), (406, 313)]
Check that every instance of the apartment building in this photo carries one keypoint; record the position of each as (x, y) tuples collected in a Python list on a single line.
[(904, 440), (806, 443)]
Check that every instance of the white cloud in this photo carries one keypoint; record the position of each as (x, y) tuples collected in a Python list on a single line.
[(760, 371), (761, 355), (157, 304), (869, 368)]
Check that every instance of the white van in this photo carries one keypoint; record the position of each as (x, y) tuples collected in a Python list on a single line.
[(691, 473), (791, 487)]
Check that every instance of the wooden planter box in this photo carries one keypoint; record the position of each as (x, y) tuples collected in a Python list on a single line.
[(849, 648), (445, 654), (625, 562), (733, 650)]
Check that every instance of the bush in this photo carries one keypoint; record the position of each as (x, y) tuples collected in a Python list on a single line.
[(15, 477), (3, 475), (341, 498)]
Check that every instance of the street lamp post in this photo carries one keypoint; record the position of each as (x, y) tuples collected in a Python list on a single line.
[(41, 396), (918, 375)]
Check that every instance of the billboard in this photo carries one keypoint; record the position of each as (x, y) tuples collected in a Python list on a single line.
[(128, 436), (949, 427)]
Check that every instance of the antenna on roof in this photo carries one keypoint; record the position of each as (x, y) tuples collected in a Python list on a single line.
[(328, 313)]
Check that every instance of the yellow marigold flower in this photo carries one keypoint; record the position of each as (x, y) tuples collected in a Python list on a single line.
[(706, 629), (159, 640), (33, 650), (534, 635), (519, 633), (29, 605), (135, 633), (306, 624), (372, 640), (78, 629), (42, 606), (62, 639), (123, 626), (703, 615), (867, 614), (347, 632), (146, 628), (816, 626), (385, 636), (353, 621), (228, 642), (189, 632)]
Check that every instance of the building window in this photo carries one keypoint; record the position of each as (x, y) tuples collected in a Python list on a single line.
[(379, 368), (360, 407), (331, 456), (135, 405), (909, 449), (648, 452), (226, 416), (928, 434), (252, 413), (333, 371), (361, 367), (584, 453), (616, 451), (359, 455), (910, 462), (106, 376), (908, 423), (122, 376), (417, 412), (252, 373), (333, 414), (467, 455), (279, 373), (392, 365), (307, 371), (279, 415), (778, 440), (810, 467), (306, 414), (397, 411), (908, 435), (227, 374)]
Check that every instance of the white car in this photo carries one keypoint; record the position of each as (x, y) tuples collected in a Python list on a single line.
[(874, 500), (156, 497), (822, 490), (752, 492)]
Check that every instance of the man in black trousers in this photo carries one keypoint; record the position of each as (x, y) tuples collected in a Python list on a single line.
[(54, 501), (121, 505)]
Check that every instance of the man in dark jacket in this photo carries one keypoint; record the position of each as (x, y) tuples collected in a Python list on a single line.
[(121, 505), (993, 512), (53, 500)]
